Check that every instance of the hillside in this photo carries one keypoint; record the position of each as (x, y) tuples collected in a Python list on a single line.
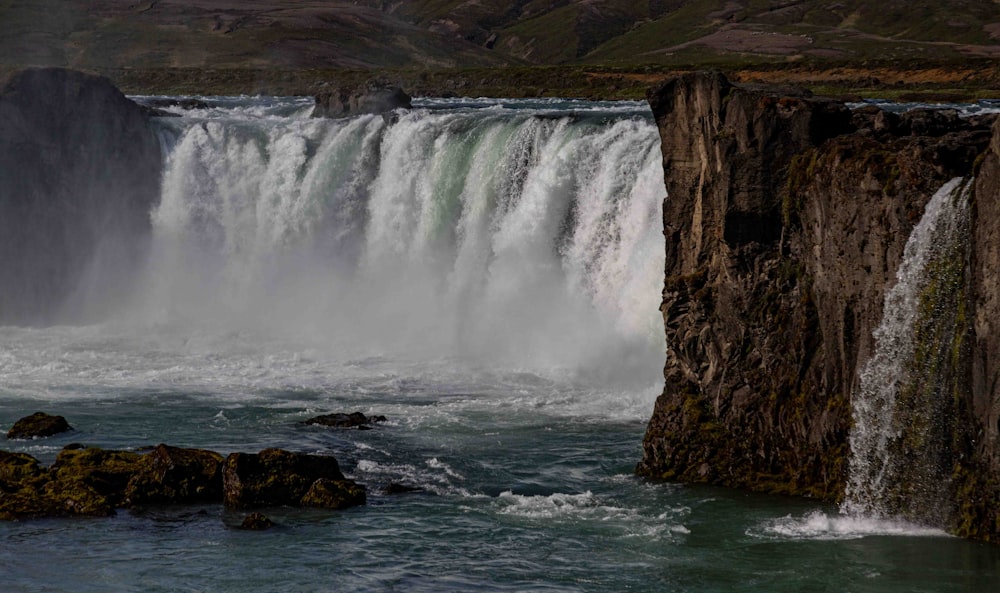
[(289, 45)]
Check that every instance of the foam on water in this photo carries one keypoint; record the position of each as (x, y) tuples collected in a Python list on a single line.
[(818, 525)]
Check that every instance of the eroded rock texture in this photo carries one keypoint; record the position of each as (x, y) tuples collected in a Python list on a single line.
[(785, 222)]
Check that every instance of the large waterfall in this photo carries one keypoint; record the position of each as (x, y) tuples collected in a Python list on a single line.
[(900, 461), (524, 233)]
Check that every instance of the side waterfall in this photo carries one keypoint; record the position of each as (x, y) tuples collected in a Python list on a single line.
[(900, 457), (524, 236)]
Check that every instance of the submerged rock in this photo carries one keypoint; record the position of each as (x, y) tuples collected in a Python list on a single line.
[(273, 477), (341, 420), (375, 97), (396, 488), (38, 425), (256, 522)]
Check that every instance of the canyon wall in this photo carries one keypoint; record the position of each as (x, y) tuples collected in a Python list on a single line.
[(785, 222), (79, 171)]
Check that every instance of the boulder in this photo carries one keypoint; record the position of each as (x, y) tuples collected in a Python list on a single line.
[(375, 97), (273, 477), (38, 425), (175, 475), (105, 472), (334, 494), (17, 470), (341, 420)]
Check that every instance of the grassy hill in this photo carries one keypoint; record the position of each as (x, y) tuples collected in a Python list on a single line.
[(295, 40)]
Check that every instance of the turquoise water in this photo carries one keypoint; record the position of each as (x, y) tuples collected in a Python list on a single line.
[(526, 487), (484, 274)]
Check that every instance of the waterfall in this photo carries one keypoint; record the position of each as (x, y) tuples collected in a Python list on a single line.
[(527, 234), (900, 460)]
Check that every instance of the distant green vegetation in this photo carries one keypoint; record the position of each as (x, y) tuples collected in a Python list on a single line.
[(518, 48)]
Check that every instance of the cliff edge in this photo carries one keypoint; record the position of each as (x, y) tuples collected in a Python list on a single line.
[(79, 173), (786, 221)]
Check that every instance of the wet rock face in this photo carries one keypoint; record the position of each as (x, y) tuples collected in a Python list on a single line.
[(175, 475), (334, 494), (38, 425), (79, 174), (273, 477), (377, 98), (785, 222)]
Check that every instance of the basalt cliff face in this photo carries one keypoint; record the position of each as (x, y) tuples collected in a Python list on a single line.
[(785, 222), (79, 172)]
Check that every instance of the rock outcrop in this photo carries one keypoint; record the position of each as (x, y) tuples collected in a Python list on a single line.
[(79, 174), (174, 475), (275, 477), (785, 223), (374, 97), (342, 420), (95, 482), (38, 425)]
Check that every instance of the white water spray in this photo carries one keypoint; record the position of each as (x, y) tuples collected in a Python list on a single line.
[(528, 238)]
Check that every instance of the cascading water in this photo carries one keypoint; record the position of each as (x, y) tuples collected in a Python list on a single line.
[(486, 274), (525, 236), (899, 463)]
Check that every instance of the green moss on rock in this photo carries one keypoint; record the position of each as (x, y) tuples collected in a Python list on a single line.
[(38, 425), (175, 475), (334, 494)]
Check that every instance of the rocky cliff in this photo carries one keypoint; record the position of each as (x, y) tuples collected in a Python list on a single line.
[(785, 223), (79, 171)]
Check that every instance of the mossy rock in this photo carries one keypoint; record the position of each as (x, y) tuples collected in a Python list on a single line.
[(38, 425), (334, 494), (176, 475), (106, 472), (273, 477), (17, 469), (75, 497)]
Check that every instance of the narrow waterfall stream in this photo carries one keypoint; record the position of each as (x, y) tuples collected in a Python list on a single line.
[(898, 464)]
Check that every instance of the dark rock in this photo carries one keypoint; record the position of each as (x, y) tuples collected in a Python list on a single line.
[(375, 97), (334, 494), (183, 103), (930, 122), (18, 470), (85, 482), (175, 475), (785, 224), (79, 174), (273, 477), (397, 488), (93, 471), (38, 425), (256, 522), (341, 420)]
